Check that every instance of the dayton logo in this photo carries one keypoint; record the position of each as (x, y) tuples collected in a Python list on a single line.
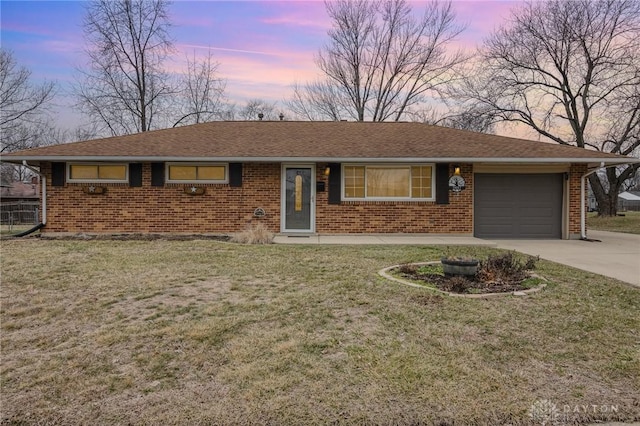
[(545, 413)]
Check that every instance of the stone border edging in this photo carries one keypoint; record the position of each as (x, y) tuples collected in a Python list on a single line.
[(383, 273)]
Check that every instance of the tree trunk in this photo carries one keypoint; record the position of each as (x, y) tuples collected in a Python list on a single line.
[(607, 201)]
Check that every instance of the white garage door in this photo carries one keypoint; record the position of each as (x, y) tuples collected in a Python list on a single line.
[(518, 205)]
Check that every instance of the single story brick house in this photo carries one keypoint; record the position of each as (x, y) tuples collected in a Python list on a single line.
[(314, 177)]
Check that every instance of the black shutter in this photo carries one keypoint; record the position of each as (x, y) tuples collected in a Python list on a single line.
[(157, 174), (135, 174), (58, 172), (442, 183), (235, 174), (334, 183)]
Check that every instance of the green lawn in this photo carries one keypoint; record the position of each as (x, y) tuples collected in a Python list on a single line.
[(204, 332), (629, 223)]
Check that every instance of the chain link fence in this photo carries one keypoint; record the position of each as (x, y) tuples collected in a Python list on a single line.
[(15, 213)]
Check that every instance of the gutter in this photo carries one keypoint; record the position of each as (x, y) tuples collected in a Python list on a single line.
[(316, 159)]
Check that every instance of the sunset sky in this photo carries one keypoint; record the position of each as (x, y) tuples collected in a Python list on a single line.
[(263, 46)]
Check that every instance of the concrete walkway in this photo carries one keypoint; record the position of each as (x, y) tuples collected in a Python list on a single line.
[(615, 255), (413, 239)]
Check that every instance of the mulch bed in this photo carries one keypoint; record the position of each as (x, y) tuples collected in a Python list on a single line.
[(461, 285), (137, 237)]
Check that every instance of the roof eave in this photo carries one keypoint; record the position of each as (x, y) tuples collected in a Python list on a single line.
[(591, 161)]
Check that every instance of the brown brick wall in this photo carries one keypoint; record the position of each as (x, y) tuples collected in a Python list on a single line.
[(166, 209), (576, 171), (223, 209), (397, 217)]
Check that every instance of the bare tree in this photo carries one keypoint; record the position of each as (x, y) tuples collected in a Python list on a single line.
[(41, 131), (569, 70), (125, 84), (381, 60), (438, 115), (317, 101), (633, 183), (253, 107), (23, 105), (202, 92), (475, 121)]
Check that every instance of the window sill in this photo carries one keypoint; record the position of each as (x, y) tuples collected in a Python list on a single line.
[(386, 202)]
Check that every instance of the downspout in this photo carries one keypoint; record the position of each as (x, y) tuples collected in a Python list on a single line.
[(583, 215)]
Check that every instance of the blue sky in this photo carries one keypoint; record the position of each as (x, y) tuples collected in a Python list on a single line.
[(263, 46)]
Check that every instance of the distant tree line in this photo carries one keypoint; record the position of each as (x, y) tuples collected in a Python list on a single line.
[(568, 71)]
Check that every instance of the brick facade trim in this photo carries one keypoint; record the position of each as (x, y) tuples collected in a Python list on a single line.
[(226, 209)]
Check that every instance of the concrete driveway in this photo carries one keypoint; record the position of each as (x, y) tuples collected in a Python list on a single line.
[(616, 255)]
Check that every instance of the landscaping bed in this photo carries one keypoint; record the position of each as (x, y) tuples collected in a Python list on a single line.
[(500, 273)]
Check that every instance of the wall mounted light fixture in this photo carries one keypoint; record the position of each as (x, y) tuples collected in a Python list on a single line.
[(327, 171), (456, 170)]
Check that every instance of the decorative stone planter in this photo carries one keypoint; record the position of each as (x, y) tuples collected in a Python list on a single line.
[(460, 267)]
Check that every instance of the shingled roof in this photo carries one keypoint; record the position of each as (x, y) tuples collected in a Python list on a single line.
[(314, 141)]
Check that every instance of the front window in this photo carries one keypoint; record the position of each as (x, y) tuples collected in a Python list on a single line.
[(197, 173), (86, 172), (388, 182)]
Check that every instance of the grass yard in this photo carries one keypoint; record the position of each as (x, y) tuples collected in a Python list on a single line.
[(629, 223), (204, 332)]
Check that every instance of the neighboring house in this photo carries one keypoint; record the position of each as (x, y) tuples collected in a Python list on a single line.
[(19, 202), (315, 177), (629, 200), (27, 191)]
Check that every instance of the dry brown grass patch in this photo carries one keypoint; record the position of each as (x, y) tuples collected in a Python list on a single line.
[(255, 234), (202, 332)]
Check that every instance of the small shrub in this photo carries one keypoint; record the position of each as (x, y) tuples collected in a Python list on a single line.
[(258, 234), (458, 284), (408, 268), (505, 267), (531, 263)]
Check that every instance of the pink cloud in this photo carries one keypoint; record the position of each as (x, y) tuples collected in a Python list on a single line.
[(192, 21), (297, 21), (253, 74), (226, 49), (283, 71), (62, 46)]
